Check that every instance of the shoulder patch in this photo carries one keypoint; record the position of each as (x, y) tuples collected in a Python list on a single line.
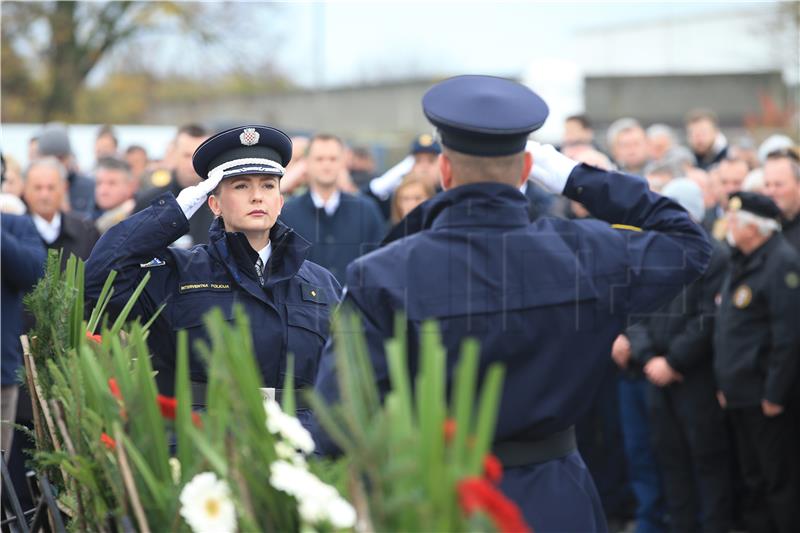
[(626, 227), (155, 262), (792, 280)]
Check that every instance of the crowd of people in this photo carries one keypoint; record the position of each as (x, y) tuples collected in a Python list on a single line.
[(696, 425)]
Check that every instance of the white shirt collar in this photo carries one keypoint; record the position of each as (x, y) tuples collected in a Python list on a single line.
[(265, 252), (49, 231), (330, 206)]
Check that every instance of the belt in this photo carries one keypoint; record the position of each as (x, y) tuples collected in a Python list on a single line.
[(524, 452), (199, 395)]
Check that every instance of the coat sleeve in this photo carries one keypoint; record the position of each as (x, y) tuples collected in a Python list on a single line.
[(641, 342), (783, 361), (23, 253), (128, 245), (660, 246), (694, 344)]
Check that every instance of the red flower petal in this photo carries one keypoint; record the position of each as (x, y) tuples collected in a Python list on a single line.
[(478, 495), (167, 406), (114, 387), (96, 338), (108, 441), (492, 468), (449, 429)]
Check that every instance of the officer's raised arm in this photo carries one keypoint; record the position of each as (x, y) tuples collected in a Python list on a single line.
[(663, 248)]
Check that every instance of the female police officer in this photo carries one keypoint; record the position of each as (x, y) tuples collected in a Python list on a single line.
[(252, 259)]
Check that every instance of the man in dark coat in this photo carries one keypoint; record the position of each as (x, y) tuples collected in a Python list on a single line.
[(546, 298), (756, 360), (340, 226), (782, 184), (675, 347), (45, 188)]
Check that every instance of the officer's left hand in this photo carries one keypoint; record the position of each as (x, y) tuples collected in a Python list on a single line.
[(660, 372), (771, 409)]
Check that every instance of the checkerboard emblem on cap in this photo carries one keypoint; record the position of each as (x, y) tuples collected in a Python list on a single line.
[(249, 137)]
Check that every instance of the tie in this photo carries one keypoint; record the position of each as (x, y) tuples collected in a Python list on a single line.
[(259, 266)]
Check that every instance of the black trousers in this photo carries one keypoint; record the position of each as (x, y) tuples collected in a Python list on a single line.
[(691, 447), (768, 456)]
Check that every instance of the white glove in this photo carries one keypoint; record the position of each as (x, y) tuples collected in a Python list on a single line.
[(383, 186), (551, 168), (192, 198)]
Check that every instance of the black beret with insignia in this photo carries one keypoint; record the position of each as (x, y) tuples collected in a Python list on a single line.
[(251, 149), (754, 203), (484, 115)]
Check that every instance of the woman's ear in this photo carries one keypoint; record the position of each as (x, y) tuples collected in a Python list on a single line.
[(213, 204)]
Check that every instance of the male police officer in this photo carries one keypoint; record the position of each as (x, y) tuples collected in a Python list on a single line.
[(756, 360), (546, 298), (251, 259)]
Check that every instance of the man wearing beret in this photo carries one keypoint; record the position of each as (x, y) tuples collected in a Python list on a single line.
[(252, 259), (756, 360), (544, 298)]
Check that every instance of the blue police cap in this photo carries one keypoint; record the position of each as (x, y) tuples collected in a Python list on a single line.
[(251, 149), (484, 115), (425, 144)]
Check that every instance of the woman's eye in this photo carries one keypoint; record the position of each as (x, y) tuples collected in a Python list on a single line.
[(240, 186)]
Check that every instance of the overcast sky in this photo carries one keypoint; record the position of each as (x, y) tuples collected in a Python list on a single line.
[(336, 43)]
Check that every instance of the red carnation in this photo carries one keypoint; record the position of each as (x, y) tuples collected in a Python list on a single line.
[(96, 338), (492, 468), (108, 441), (168, 407), (449, 429), (477, 494), (114, 387)]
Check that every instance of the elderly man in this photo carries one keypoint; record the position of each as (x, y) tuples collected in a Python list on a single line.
[(756, 357), (45, 189), (545, 298), (53, 141), (782, 184), (628, 144), (114, 189)]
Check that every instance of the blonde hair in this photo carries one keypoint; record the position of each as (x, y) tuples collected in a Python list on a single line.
[(409, 180)]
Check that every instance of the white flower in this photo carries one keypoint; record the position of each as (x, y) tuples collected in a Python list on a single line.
[(317, 502), (288, 427), (175, 469), (206, 505)]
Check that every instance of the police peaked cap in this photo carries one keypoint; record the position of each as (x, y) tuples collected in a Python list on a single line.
[(251, 149), (484, 115), (754, 203)]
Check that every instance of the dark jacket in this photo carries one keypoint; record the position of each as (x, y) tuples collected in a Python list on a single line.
[(23, 258), (355, 228), (683, 330), (545, 298), (81, 194), (791, 232), (199, 223), (78, 236), (757, 333), (288, 311), (706, 161)]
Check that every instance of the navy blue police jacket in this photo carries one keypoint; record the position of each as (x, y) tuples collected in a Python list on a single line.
[(289, 312), (544, 298)]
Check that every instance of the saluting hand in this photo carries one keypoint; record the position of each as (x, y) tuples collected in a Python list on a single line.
[(621, 351), (551, 168), (771, 409), (193, 197)]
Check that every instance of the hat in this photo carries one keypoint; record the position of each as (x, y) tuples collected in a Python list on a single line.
[(484, 115), (54, 141), (251, 149), (425, 144), (754, 203), (688, 194)]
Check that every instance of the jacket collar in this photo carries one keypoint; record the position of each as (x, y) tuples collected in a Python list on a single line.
[(475, 205), (289, 250)]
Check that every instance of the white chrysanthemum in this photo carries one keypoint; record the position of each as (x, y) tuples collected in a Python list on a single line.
[(175, 469), (206, 505), (288, 427)]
